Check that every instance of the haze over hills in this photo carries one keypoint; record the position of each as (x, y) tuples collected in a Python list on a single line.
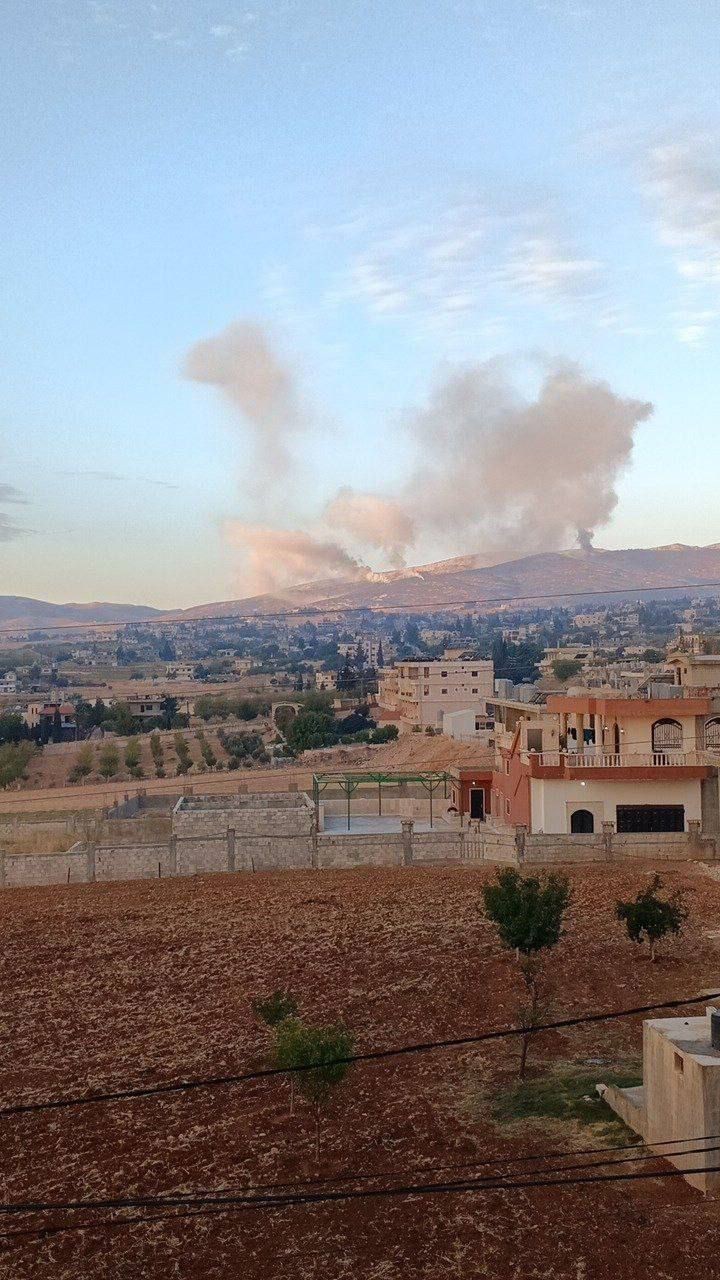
[(552, 574)]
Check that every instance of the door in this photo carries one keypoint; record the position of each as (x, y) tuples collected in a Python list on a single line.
[(582, 823), (477, 803)]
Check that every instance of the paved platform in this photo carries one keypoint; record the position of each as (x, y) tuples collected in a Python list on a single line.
[(365, 825)]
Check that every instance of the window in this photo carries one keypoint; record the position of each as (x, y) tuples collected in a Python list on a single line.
[(667, 735), (426, 690), (507, 808), (712, 735), (473, 673), (426, 672), (444, 675), (443, 690), (473, 690)]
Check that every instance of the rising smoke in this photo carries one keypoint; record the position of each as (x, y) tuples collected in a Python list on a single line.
[(240, 362), (492, 472), (278, 558)]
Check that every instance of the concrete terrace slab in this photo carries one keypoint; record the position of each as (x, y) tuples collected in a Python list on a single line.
[(368, 825)]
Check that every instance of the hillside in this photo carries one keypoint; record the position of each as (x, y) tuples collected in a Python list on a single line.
[(552, 574), (22, 611)]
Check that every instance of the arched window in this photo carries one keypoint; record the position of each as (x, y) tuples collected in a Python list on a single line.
[(582, 823), (667, 735), (712, 734)]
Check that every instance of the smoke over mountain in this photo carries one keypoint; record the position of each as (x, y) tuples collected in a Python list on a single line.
[(278, 558), (490, 469)]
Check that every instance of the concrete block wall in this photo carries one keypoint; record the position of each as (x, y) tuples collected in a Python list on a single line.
[(338, 851), (133, 862), (29, 869)]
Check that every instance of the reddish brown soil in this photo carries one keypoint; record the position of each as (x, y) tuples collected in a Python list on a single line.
[(145, 982)]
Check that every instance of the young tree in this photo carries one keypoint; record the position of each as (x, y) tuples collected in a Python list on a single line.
[(317, 1057), (529, 914), (83, 764), (566, 668), (132, 757), (380, 660), (275, 1008), (109, 761), (651, 916)]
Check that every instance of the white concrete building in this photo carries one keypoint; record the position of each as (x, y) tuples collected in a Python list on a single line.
[(8, 683), (677, 1107), (422, 692)]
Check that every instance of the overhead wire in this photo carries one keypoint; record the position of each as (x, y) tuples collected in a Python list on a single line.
[(369, 1055)]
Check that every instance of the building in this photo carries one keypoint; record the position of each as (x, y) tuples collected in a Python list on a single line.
[(180, 671), (370, 646), (695, 670), (568, 764), (470, 790), (678, 1102), (468, 726), (146, 706), (8, 683), (325, 680), (581, 653), (423, 691), (42, 714)]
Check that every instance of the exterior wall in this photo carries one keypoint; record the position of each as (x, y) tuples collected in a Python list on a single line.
[(680, 1097), (552, 802)]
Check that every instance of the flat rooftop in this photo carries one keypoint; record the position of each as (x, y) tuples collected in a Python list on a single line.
[(689, 1035)]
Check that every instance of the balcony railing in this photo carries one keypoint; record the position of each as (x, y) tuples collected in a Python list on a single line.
[(613, 760)]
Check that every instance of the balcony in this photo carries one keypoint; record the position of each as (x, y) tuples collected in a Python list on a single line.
[(569, 763)]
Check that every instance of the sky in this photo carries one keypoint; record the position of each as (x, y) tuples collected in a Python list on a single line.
[(307, 287)]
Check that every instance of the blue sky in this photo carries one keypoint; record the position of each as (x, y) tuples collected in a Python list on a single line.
[(387, 191)]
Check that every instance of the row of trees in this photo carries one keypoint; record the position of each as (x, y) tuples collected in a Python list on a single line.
[(529, 914)]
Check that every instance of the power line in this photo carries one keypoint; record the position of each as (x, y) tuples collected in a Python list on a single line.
[(381, 610), (221, 1203), (370, 1055)]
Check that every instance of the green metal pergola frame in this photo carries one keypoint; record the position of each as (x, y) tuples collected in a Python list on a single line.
[(349, 783)]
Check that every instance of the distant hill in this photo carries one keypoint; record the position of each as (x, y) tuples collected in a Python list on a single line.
[(21, 611), (553, 574)]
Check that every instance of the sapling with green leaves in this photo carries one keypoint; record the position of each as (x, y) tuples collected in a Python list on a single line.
[(316, 1057), (652, 917), (529, 913)]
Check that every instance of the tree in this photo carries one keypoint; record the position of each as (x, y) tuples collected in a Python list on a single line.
[(12, 728), (166, 650), (360, 657), (169, 711), (57, 726), (132, 758), (109, 761), (275, 1008), (566, 668), (311, 728), (299, 1048), (529, 914), (380, 659), (652, 916), (83, 764), (653, 655)]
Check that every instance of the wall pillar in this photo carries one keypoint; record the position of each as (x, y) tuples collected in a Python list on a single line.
[(520, 835), (231, 849), (407, 834), (608, 831), (173, 856), (694, 836), (90, 864)]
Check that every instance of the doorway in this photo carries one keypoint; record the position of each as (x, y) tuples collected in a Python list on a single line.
[(477, 803), (582, 823)]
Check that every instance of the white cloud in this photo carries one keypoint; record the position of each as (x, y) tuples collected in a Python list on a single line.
[(544, 266)]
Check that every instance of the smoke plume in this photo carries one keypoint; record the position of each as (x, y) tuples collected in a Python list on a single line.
[(274, 559), (240, 363), (507, 476), (491, 472), (373, 521)]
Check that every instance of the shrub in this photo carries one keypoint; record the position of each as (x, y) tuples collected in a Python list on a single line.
[(14, 759), (83, 764), (275, 1008)]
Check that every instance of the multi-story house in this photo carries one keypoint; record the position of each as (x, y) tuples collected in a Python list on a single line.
[(423, 691), (571, 762)]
